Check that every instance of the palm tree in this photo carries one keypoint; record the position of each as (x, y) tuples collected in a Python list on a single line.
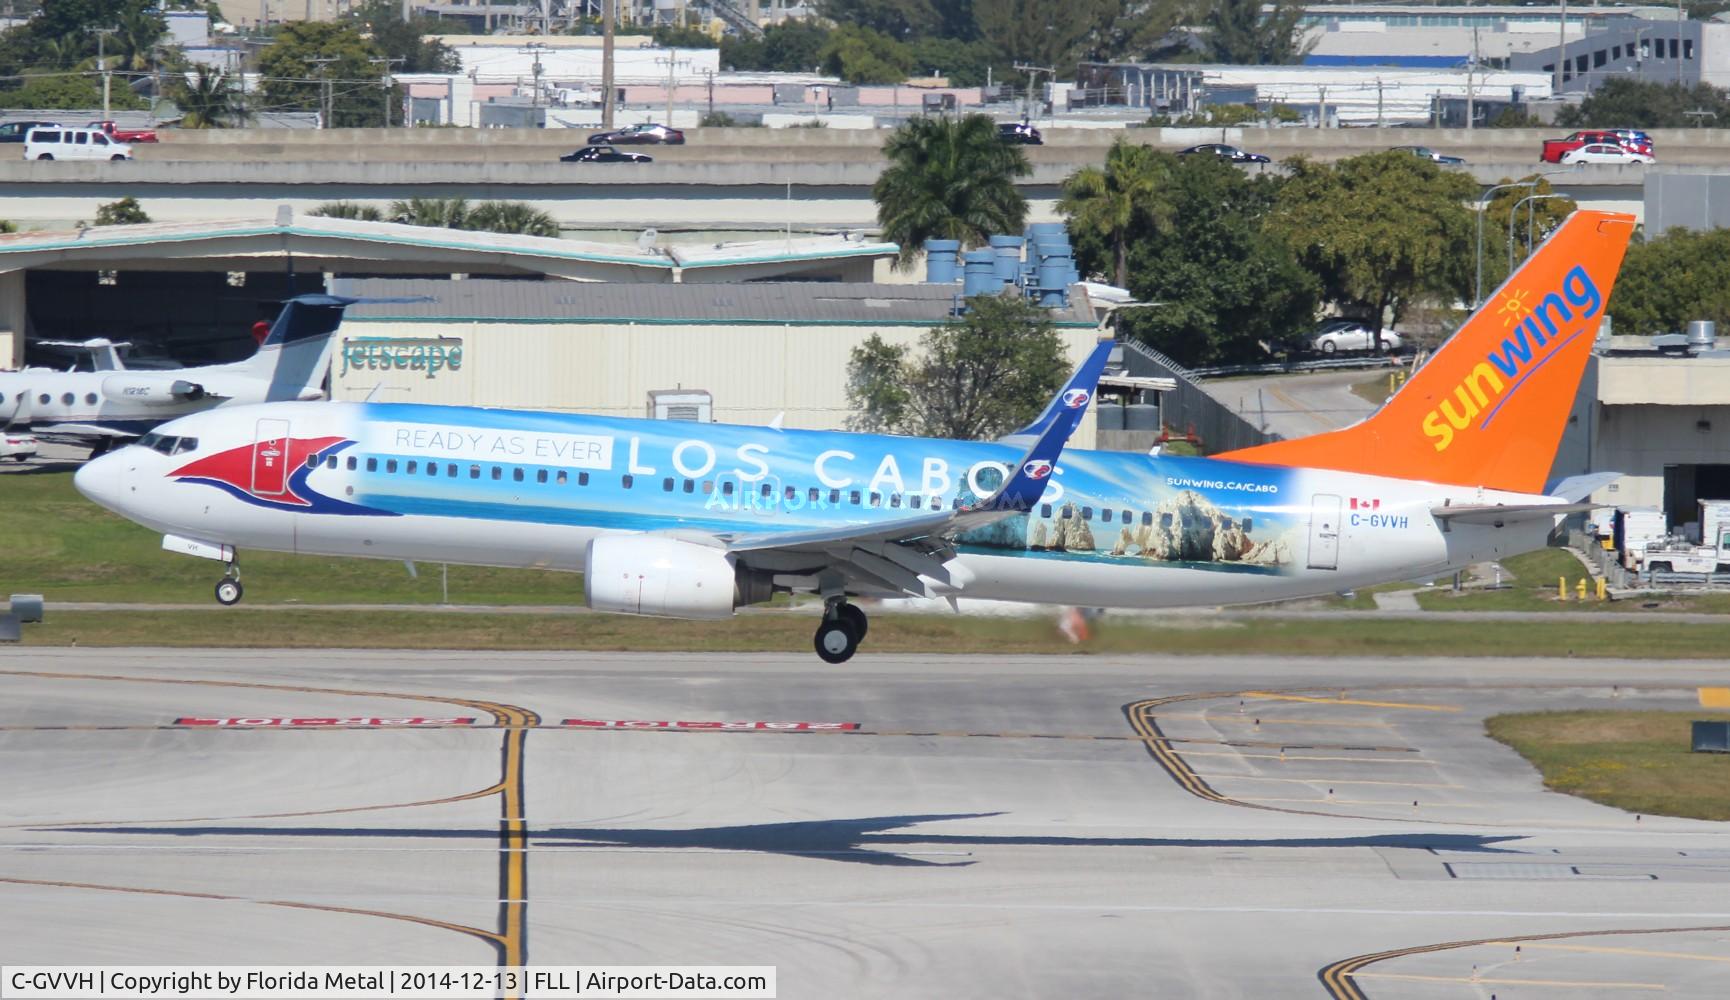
[(138, 33), (949, 179), (208, 99), (1119, 200), (448, 213), (515, 217), (61, 53)]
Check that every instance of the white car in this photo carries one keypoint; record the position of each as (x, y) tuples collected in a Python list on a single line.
[(1603, 152), (1351, 335), (55, 142), (17, 447)]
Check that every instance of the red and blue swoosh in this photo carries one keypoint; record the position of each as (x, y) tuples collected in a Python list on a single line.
[(231, 472)]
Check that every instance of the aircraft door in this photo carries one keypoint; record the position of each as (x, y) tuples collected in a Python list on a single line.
[(270, 458), (1324, 531)]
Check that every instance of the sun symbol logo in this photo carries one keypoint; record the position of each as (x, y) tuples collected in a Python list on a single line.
[(1514, 307)]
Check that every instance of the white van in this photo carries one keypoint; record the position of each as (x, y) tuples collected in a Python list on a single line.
[(56, 143)]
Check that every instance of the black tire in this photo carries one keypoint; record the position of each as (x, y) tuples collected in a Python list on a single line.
[(1383, 347), (1658, 567), (1329, 347), (46, 156), (835, 642), (229, 591), (853, 615), (117, 156)]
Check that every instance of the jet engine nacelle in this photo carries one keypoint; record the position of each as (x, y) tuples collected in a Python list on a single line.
[(652, 575), (151, 392)]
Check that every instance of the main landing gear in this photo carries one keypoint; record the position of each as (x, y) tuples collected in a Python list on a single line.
[(228, 589), (840, 631)]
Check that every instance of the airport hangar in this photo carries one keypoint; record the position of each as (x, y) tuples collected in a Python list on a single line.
[(730, 332)]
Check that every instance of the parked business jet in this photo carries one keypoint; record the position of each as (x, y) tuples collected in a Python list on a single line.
[(112, 404), (692, 521)]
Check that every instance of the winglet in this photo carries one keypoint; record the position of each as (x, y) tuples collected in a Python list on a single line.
[(1085, 379), (1027, 483)]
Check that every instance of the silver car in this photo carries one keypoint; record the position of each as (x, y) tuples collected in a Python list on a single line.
[(1351, 335)]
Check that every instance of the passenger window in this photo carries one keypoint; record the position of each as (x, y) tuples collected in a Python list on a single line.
[(390, 465), (451, 469), (894, 499), (835, 497), (667, 485), (1165, 521), (432, 468), (1066, 513), (330, 463), (626, 481), (1248, 525), (562, 478), (1147, 517), (1087, 513), (913, 501), (474, 472), (726, 489), (789, 493), (44, 399), (351, 463), (690, 486), (413, 466), (541, 476), (517, 475), (498, 473), (80, 138), (67, 398), (99, 139), (876, 499), (853, 498), (312, 461), (708, 486), (582, 479), (936, 503), (1045, 510), (1105, 515), (372, 465), (90, 397)]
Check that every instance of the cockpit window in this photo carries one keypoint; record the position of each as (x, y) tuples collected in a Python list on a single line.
[(166, 444), (183, 445)]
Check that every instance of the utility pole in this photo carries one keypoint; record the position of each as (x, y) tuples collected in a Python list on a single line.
[(1678, 52), (711, 75), (327, 102), (671, 63), (535, 49), (607, 7), (1471, 79), (102, 64), (1033, 84), (1562, 50), (386, 80)]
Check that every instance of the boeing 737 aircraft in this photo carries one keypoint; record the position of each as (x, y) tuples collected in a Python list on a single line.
[(112, 404), (692, 521)]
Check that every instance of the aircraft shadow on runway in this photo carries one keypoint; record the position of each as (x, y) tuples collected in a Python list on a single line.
[(847, 840)]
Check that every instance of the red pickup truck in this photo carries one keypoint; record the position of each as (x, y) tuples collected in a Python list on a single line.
[(1554, 148), (119, 134)]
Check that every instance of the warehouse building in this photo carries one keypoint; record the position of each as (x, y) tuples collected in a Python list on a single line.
[(743, 353)]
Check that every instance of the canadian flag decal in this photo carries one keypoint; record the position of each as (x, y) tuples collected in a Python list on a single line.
[(1366, 504)]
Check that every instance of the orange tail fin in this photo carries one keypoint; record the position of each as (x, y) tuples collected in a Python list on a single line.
[(1489, 408)]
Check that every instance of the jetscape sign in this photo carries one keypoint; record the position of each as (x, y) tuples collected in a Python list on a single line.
[(733, 727)]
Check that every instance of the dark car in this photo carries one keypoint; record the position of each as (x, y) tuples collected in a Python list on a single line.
[(1020, 132), (604, 154), (16, 131), (1426, 153), (648, 132), (1224, 152)]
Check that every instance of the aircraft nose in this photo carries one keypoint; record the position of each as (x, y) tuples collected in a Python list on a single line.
[(99, 481)]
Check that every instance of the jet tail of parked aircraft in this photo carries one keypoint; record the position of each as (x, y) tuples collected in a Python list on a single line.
[(296, 353), (1490, 407)]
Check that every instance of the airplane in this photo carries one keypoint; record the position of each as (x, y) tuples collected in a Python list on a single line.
[(695, 520), (112, 404)]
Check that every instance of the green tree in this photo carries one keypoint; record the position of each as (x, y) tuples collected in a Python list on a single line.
[(69, 93), (408, 40), (1669, 280), (860, 55), (348, 210), (963, 64), (949, 178), (1124, 200), (292, 80), (137, 33), (1241, 32), (1381, 230), (788, 47), (1054, 33), (124, 212), (1623, 103), (904, 20), (979, 376), (207, 99), (515, 217), (6, 226), (669, 36), (1221, 289)]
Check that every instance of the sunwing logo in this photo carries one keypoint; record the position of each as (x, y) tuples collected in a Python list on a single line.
[(1536, 333), (255, 474), (1076, 398)]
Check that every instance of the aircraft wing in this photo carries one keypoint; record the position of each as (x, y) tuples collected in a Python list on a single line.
[(1500, 514), (898, 552)]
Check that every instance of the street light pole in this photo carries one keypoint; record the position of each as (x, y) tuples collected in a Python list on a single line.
[(1515, 214), (102, 64), (1483, 208)]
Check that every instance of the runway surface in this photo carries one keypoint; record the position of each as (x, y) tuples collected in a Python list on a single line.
[(1075, 826)]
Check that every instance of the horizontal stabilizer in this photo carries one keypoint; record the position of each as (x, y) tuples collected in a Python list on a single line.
[(1500, 514), (1574, 489)]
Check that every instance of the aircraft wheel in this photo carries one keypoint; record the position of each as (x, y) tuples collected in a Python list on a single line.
[(854, 616), (836, 642), (228, 591)]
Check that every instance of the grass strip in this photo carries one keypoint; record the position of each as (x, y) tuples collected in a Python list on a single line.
[(890, 633), (1634, 760)]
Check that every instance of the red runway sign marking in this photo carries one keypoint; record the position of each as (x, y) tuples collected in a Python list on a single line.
[(323, 722), (782, 727)]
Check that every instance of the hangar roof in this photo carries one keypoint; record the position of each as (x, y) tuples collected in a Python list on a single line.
[(337, 243), (805, 303)]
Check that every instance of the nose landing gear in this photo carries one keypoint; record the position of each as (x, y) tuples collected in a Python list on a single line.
[(228, 589), (840, 631)]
